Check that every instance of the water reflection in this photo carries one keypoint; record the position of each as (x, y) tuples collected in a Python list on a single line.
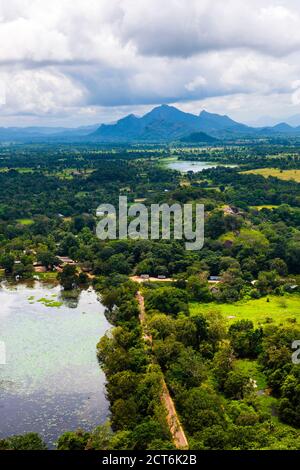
[(70, 298), (184, 166), (52, 381)]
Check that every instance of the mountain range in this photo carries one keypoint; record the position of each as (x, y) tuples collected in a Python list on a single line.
[(167, 123), (162, 124)]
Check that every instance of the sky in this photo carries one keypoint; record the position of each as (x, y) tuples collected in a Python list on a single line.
[(80, 62)]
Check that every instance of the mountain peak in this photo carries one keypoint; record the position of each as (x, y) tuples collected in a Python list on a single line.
[(129, 117), (205, 113), (163, 109), (170, 114)]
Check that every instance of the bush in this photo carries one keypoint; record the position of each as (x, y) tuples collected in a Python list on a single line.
[(30, 441)]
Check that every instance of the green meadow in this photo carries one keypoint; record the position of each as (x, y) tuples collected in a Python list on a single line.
[(271, 309), (25, 221)]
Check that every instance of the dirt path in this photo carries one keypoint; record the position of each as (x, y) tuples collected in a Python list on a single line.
[(175, 427), (141, 301)]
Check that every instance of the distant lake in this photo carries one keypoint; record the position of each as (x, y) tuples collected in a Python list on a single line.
[(186, 165), (52, 381)]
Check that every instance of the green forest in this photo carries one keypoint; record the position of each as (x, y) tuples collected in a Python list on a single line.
[(219, 323)]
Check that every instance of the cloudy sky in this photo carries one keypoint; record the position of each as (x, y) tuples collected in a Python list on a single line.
[(73, 62)]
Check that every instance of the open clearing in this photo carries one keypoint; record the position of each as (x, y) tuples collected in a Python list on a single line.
[(278, 310), (25, 221), (277, 173), (252, 368), (266, 206)]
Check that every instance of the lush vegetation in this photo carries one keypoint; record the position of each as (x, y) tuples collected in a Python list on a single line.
[(223, 345)]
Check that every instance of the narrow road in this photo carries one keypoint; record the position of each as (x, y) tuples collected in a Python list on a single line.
[(176, 430)]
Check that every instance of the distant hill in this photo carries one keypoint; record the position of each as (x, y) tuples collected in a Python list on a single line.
[(281, 129), (215, 123), (199, 137), (45, 134), (162, 124), (167, 123)]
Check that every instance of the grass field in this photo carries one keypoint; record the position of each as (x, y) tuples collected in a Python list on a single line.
[(266, 206), (48, 276), (281, 174), (279, 310), (163, 162), (25, 221), (20, 170), (253, 369)]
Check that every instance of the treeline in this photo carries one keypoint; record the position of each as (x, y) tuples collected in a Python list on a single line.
[(80, 156), (260, 190), (218, 399), (134, 384), (249, 157)]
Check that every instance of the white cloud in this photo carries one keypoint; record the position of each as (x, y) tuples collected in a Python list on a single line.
[(196, 83), (88, 58), (2, 92), (182, 28), (39, 91)]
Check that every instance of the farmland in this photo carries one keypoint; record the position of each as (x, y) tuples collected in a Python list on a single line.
[(285, 175)]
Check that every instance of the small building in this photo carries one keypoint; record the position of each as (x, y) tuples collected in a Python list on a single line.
[(66, 260), (39, 267)]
